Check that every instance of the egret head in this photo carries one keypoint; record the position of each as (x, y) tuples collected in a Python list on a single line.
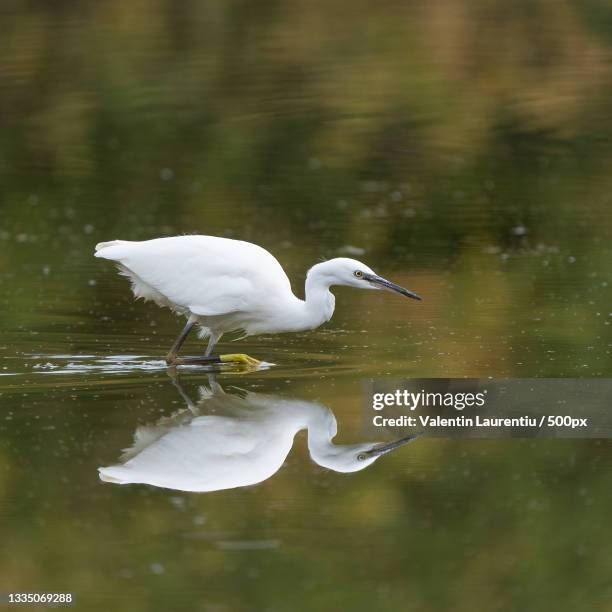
[(353, 273), (355, 457)]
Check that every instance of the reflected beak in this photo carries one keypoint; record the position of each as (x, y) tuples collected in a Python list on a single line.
[(381, 449), (383, 283)]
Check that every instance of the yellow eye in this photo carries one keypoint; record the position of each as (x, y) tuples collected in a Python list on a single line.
[(358, 273)]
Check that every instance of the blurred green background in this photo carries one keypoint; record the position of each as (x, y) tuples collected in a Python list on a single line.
[(462, 149)]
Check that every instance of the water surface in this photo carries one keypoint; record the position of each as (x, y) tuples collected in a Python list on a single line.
[(463, 152)]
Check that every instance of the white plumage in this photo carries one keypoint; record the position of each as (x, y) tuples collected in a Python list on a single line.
[(244, 442), (226, 285), (202, 275)]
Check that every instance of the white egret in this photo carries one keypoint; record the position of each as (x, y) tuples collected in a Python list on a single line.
[(244, 442), (225, 285)]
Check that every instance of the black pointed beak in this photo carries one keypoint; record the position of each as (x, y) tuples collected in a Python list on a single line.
[(383, 283), (381, 449)]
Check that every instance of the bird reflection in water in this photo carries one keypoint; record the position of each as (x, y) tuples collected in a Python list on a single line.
[(227, 440)]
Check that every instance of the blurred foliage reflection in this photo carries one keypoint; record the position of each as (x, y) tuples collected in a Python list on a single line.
[(460, 148)]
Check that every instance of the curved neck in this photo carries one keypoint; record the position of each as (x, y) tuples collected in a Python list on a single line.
[(322, 428), (314, 310), (320, 301)]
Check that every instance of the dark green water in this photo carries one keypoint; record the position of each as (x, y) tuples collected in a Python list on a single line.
[(463, 149)]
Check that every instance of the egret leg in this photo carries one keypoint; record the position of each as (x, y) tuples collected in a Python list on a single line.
[(236, 358), (239, 358), (212, 341), (171, 358), (208, 358), (177, 383)]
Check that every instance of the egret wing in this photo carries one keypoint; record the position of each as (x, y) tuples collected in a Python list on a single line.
[(217, 453), (205, 274)]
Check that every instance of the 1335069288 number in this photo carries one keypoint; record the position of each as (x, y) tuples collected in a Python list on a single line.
[(33, 598)]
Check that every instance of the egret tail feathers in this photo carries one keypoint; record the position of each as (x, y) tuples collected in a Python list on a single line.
[(115, 473), (104, 245)]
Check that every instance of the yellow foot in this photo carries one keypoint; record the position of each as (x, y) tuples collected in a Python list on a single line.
[(239, 358)]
